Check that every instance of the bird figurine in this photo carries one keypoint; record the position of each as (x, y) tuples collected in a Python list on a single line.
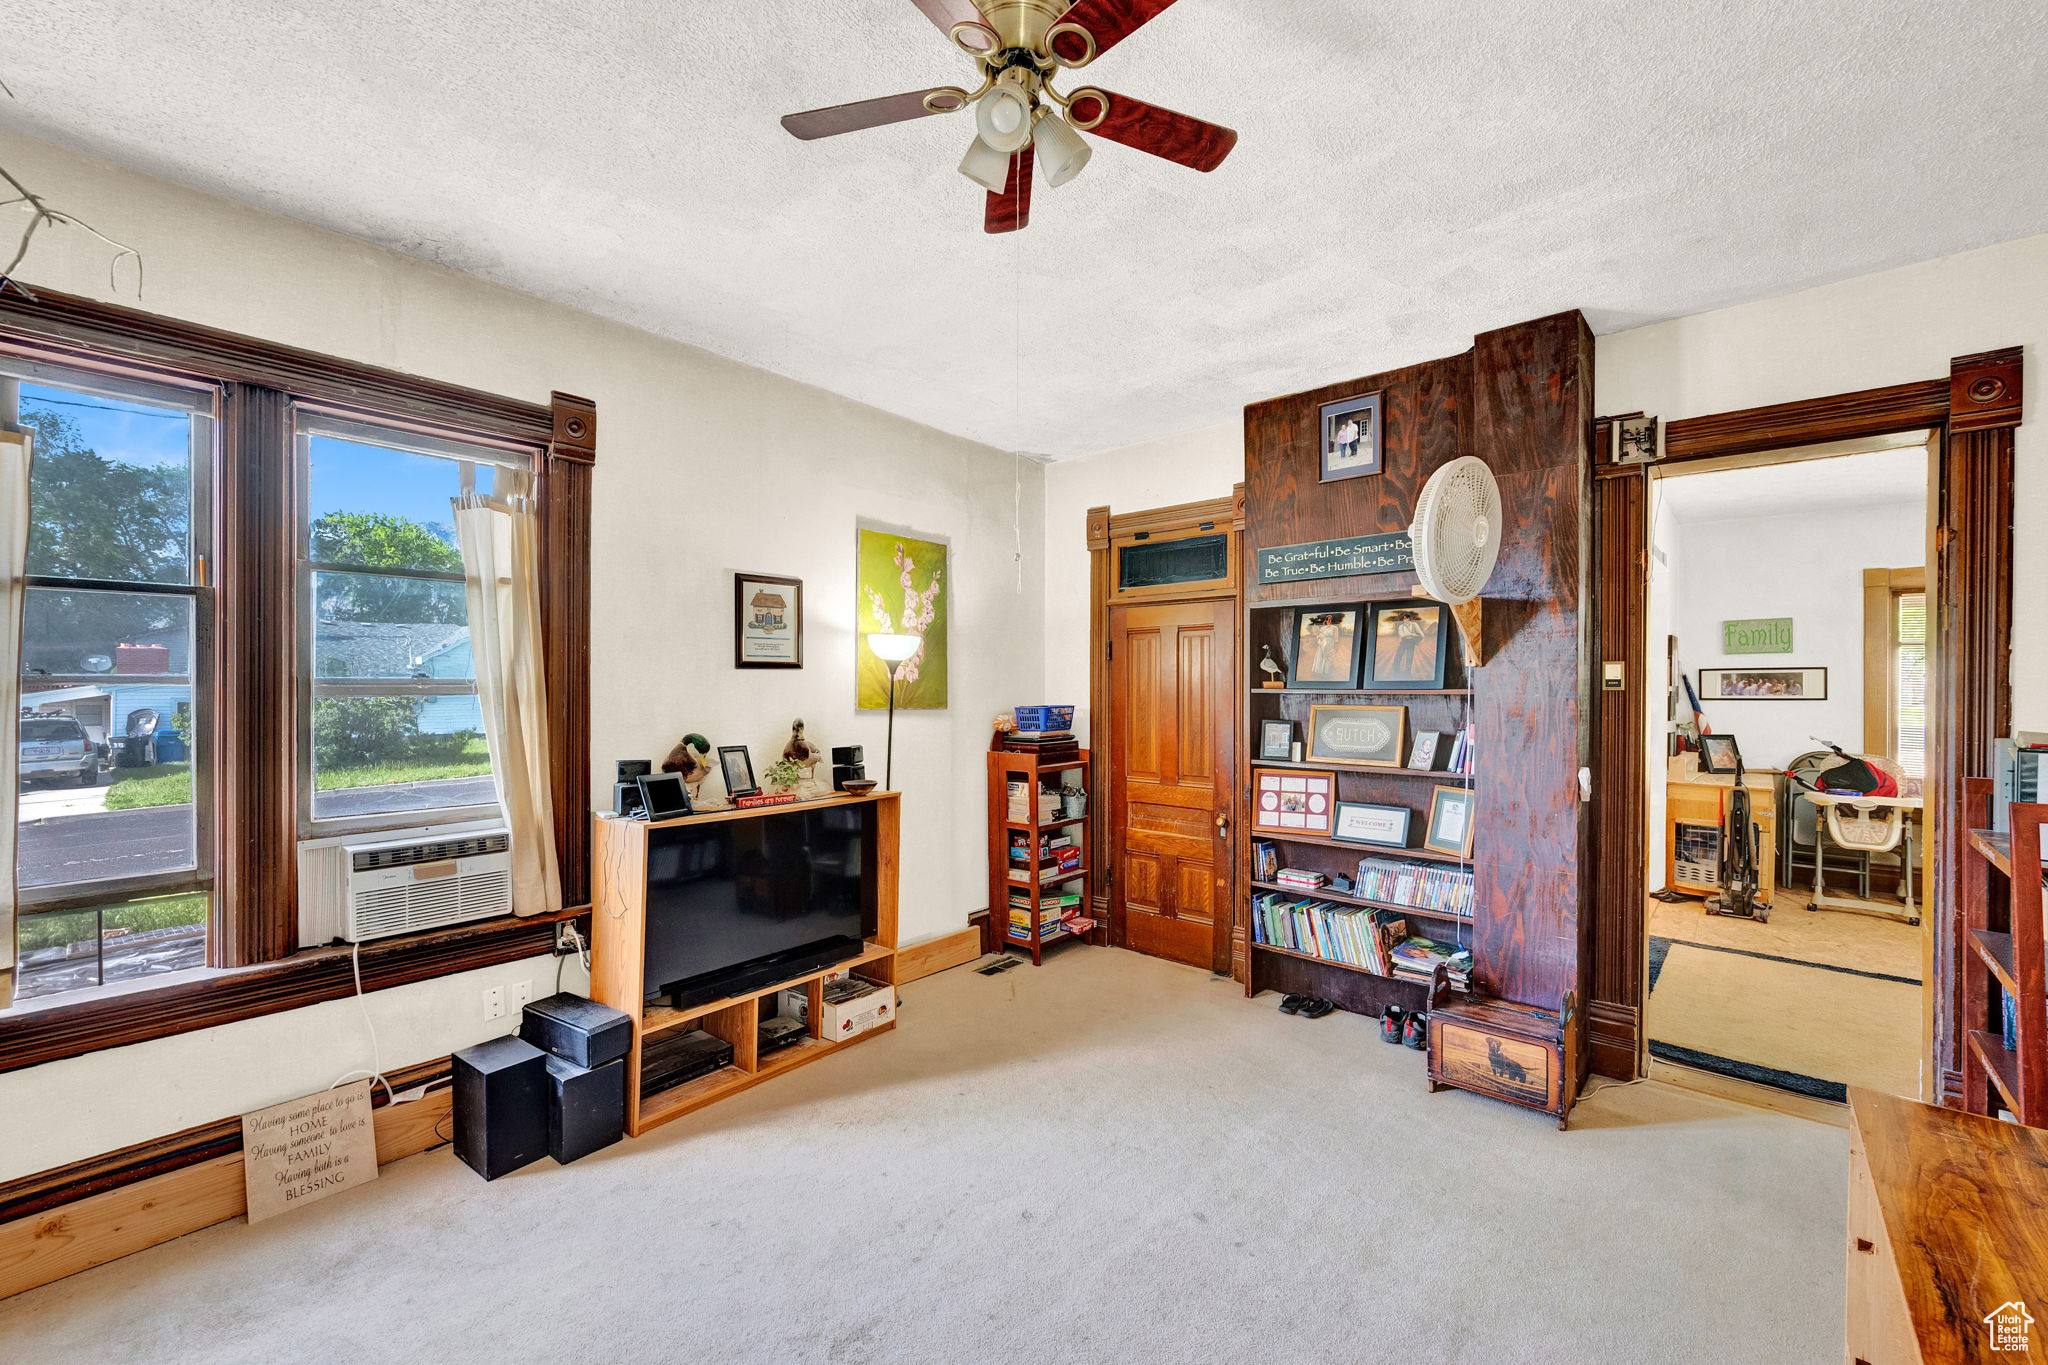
[(1270, 667), (801, 751), (692, 758)]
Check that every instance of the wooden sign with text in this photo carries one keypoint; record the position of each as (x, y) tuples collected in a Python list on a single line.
[(303, 1150), (1393, 552)]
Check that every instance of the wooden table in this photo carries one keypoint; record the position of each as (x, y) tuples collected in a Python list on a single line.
[(1948, 1224), (1692, 797)]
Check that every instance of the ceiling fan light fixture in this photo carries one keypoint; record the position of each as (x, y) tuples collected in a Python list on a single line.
[(1061, 152), (1003, 115), (986, 166)]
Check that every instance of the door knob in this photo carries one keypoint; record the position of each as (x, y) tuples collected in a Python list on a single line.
[(1222, 824)]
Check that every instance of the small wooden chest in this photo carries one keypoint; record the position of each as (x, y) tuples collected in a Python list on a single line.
[(1508, 1052)]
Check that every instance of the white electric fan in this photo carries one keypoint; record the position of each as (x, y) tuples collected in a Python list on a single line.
[(1457, 541)]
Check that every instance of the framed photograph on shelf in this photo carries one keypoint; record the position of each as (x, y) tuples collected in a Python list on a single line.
[(1450, 822), (1289, 802), (1409, 647), (1351, 437), (1385, 826), (1422, 757), (767, 621), (1276, 740), (1326, 648), (1763, 684), (1361, 736), (736, 766), (1719, 754)]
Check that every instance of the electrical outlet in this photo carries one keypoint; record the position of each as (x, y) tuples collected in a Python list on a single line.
[(494, 1003), (522, 994)]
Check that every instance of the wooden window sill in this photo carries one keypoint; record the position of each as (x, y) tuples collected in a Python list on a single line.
[(37, 1032)]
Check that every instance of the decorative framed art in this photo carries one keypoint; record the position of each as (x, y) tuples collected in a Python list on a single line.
[(1326, 643), (1410, 647), (1350, 437), (767, 621), (1289, 802), (1384, 826), (1361, 736), (1763, 684), (901, 589), (1276, 740), (1450, 822), (736, 766), (1719, 754), (1422, 757)]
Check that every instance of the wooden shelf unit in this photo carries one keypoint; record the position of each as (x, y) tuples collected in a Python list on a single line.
[(618, 953), (2003, 933), (1004, 767), (1445, 710)]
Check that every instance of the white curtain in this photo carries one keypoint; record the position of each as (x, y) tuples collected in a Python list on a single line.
[(14, 461), (500, 538)]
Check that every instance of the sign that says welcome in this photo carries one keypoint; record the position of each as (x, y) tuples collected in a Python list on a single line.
[(1389, 553)]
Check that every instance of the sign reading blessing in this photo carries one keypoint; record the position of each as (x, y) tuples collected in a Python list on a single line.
[(1389, 553)]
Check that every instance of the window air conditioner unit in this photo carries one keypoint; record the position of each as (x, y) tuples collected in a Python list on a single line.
[(415, 884)]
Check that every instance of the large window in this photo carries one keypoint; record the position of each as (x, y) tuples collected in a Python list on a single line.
[(1909, 682), (111, 856), (391, 721)]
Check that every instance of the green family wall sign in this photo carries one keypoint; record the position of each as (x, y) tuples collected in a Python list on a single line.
[(1765, 635)]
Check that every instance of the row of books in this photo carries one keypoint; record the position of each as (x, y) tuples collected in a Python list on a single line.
[(1461, 753), (1419, 886), (1337, 933)]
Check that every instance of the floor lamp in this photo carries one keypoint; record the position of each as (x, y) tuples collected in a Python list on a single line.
[(893, 650)]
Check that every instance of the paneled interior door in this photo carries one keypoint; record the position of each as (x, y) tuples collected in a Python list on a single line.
[(1173, 752)]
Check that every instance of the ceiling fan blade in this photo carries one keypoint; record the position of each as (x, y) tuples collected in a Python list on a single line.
[(1010, 211), (947, 14), (1149, 128), (851, 118), (1108, 22)]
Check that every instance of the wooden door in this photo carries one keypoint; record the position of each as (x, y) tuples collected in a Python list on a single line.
[(1173, 753)]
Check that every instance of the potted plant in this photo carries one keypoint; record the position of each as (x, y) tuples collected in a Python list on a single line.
[(783, 776)]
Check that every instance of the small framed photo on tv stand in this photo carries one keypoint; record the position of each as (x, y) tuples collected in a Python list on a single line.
[(663, 796)]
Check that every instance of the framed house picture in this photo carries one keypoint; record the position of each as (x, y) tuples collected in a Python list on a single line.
[(1409, 648), (1385, 826), (767, 621), (736, 766), (1288, 802), (1362, 736), (1350, 432), (1763, 684), (1276, 740), (1326, 641), (1450, 822)]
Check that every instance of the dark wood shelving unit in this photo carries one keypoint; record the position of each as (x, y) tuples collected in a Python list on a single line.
[(1460, 779), (1325, 894), (1005, 766), (2004, 933), (1361, 691)]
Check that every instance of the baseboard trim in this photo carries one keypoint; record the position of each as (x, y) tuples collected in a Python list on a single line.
[(72, 1218), (937, 954)]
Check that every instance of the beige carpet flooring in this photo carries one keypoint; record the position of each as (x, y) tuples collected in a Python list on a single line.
[(1772, 994), (1106, 1159)]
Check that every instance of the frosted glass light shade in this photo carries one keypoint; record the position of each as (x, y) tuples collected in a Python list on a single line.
[(986, 167), (894, 649), (1059, 152), (1003, 115)]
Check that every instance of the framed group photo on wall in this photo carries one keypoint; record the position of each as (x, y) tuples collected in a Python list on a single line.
[(1763, 684), (767, 621), (1350, 432), (1409, 647), (1362, 736), (1326, 642)]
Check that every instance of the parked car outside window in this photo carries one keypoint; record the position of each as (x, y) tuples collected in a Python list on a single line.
[(57, 749)]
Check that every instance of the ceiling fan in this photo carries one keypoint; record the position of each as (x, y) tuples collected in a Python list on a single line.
[(1020, 46)]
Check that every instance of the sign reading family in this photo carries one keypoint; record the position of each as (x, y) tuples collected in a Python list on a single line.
[(1765, 635), (1390, 553)]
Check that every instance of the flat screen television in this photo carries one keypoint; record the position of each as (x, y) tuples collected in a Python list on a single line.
[(734, 905)]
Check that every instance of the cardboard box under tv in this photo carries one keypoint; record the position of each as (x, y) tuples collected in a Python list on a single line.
[(618, 952), (1506, 1052)]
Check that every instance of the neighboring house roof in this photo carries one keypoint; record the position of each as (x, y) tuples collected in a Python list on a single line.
[(380, 649)]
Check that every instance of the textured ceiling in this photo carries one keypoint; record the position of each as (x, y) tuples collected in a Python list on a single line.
[(1410, 172)]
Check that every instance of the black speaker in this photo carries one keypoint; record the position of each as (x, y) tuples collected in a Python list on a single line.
[(630, 768), (501, 1106), (586, 1108), (846, 755), (626, 800), (579, 1031), (847, 772)]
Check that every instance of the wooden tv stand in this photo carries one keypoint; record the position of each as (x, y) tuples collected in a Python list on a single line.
[(618, 950)]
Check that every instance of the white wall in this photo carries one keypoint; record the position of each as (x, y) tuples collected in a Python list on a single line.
[(704, 467), (1192, 467), (1890, 328), (1667, 551), (1805, 565)]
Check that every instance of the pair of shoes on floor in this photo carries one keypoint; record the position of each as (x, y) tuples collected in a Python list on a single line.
[(1307, 1006)]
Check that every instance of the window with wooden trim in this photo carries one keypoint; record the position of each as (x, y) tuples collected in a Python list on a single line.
[(218, 524), (1895, 667)]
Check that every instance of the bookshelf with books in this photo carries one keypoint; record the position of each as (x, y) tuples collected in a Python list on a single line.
[(1375, 918), (1039, 853)]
